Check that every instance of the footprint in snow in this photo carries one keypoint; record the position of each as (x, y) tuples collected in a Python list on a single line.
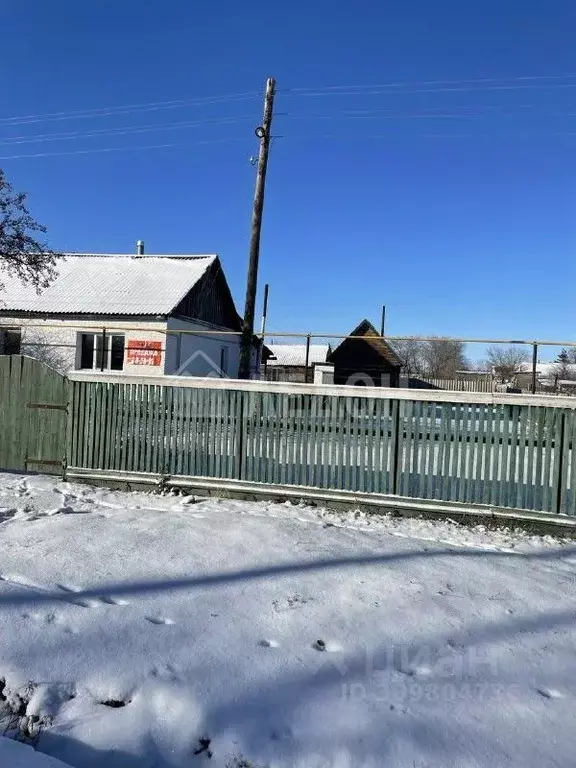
[(114, 600), (550, 693), (158, 620), (7, 514), (165, 672), (24, 489), (269, 643), (327, 646), (71, 591), (418, 671)]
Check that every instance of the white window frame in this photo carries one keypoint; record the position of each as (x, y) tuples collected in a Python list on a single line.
[(98, 337)]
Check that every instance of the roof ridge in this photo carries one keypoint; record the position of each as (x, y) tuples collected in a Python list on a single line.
[(143, 256)]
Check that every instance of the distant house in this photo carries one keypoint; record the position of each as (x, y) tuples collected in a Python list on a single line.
[(549, 376), (369, 361), (144, 314), (287, 362)]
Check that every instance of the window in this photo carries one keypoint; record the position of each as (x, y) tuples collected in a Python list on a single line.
[(101, 352), (117, 353), (86, 350), (10, 341), (224, 360)]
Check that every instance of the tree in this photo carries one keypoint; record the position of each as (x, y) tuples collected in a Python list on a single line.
[(40, 345), (437, 358), (506, 362), (21, 254), (562, 370), (443, 358), (410, 352)]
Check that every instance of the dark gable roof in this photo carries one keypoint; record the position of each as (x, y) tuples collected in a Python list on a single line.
[(373, 339)]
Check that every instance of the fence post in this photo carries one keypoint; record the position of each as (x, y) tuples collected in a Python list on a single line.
[(240, 437), (396, 447), (71, 389), (560, 463), (307, 363), (534, 364)]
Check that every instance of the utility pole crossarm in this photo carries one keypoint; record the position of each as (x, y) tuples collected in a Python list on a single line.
[(263, 133)]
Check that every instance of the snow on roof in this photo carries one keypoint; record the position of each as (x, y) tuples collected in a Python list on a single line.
[(110, 284), (549, 369), (295, 354)]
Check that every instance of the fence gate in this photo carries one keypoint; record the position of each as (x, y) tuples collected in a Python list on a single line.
[(33, 405)]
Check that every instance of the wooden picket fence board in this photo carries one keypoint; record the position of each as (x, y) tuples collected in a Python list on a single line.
[(506, 454), (477, 384), (33, 405), (511, 454)]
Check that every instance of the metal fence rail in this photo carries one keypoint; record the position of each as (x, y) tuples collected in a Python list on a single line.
[(505, 450)]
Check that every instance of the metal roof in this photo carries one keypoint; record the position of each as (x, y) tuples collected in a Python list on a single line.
[(110, 284), (295, 354)]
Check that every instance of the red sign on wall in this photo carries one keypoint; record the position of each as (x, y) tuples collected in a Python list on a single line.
[(144, 353)]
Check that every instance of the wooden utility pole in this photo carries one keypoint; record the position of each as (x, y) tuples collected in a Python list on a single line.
[(263, 133), (264, 312)]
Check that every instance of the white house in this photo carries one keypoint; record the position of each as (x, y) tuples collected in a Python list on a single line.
[(153, 314)]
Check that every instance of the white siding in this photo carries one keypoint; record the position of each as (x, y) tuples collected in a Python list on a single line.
[(198, 353), (56, 341)]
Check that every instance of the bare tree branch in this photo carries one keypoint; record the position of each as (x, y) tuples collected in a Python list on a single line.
[(439, 358), (506, 362), (22, 254)]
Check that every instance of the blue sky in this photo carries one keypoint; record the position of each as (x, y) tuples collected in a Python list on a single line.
[(451, 202)]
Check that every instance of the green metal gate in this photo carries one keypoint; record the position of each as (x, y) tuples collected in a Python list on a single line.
[(33, 407)]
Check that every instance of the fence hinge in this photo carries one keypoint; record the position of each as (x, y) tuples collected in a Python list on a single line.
[(51, 406), (47, 462)]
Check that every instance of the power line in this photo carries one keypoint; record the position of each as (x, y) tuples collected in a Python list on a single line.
[(431, 113), (127, 109), (122, 149), (471, 135), (310, 137), (424, 115), (463, 108), (376, 90), (63, 136), (304, 91), (417, 83)]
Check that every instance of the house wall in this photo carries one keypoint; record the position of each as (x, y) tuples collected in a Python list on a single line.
[(295, 373), (54, 341), (197, 353), (369, 376)]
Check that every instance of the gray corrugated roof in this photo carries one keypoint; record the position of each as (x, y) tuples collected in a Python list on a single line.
[(295, 354), (110, 284)]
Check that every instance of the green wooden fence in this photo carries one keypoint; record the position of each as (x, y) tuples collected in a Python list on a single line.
[(33, 401), (503, 450)]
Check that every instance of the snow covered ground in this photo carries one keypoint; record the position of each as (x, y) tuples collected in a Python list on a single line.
[(142, 631), (16, 755)]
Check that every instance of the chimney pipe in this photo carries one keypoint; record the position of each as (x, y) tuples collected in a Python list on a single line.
[(140, 248)]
